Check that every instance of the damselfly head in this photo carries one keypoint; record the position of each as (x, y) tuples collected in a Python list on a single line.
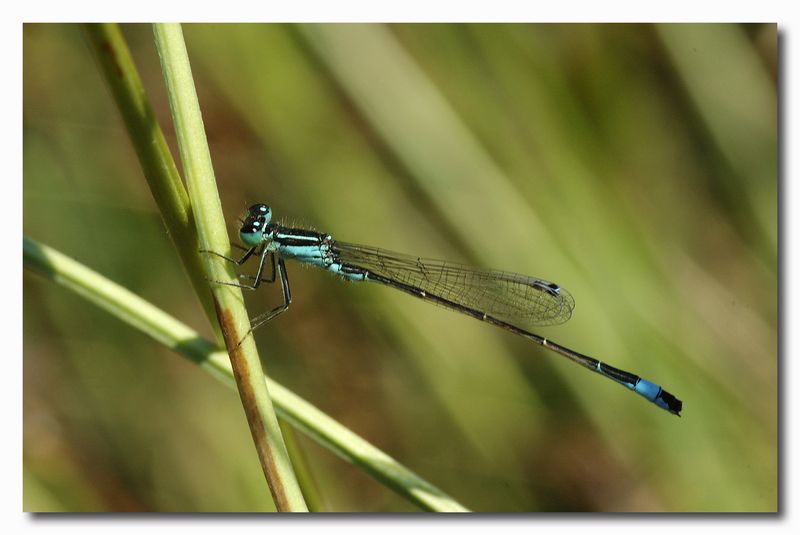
[(252, 231)]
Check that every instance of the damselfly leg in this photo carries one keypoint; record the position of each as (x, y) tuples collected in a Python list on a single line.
[(258, 321), (258, 279), (259, 275)]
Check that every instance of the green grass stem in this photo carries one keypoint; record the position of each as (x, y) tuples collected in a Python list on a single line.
[(117, 66)]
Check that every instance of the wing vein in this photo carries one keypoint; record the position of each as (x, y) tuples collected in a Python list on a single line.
[(517, 299)]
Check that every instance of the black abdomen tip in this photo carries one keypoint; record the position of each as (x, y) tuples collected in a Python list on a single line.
[(673, 404)]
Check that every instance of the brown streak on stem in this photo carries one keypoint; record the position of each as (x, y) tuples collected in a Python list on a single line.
[(242, 374), (112, 57)]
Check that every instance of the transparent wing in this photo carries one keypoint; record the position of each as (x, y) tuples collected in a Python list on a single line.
[(516, 299)]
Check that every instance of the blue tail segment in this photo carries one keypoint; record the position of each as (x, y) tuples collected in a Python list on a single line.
[(650, 391), (658, 395)]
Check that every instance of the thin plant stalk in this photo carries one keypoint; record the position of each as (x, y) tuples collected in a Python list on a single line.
[(117, 66), (228, 300)]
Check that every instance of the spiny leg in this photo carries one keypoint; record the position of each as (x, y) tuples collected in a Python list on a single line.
[(258, 278), (271, 278), (249, 252), (287, 299), (281, 271), (260, 272)]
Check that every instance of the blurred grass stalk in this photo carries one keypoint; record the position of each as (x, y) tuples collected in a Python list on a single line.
[(178, 337), (228, 300), (151, 147)]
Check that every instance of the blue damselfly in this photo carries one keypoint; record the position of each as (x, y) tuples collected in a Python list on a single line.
[(507, 300)]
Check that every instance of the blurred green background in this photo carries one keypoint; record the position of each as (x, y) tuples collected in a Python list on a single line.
[(635, 165)]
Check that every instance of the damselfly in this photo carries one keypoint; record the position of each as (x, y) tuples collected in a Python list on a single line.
[(507, 300)]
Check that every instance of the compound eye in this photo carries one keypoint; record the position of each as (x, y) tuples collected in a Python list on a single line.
[(258, 209), (259, 212), (251, 234)]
